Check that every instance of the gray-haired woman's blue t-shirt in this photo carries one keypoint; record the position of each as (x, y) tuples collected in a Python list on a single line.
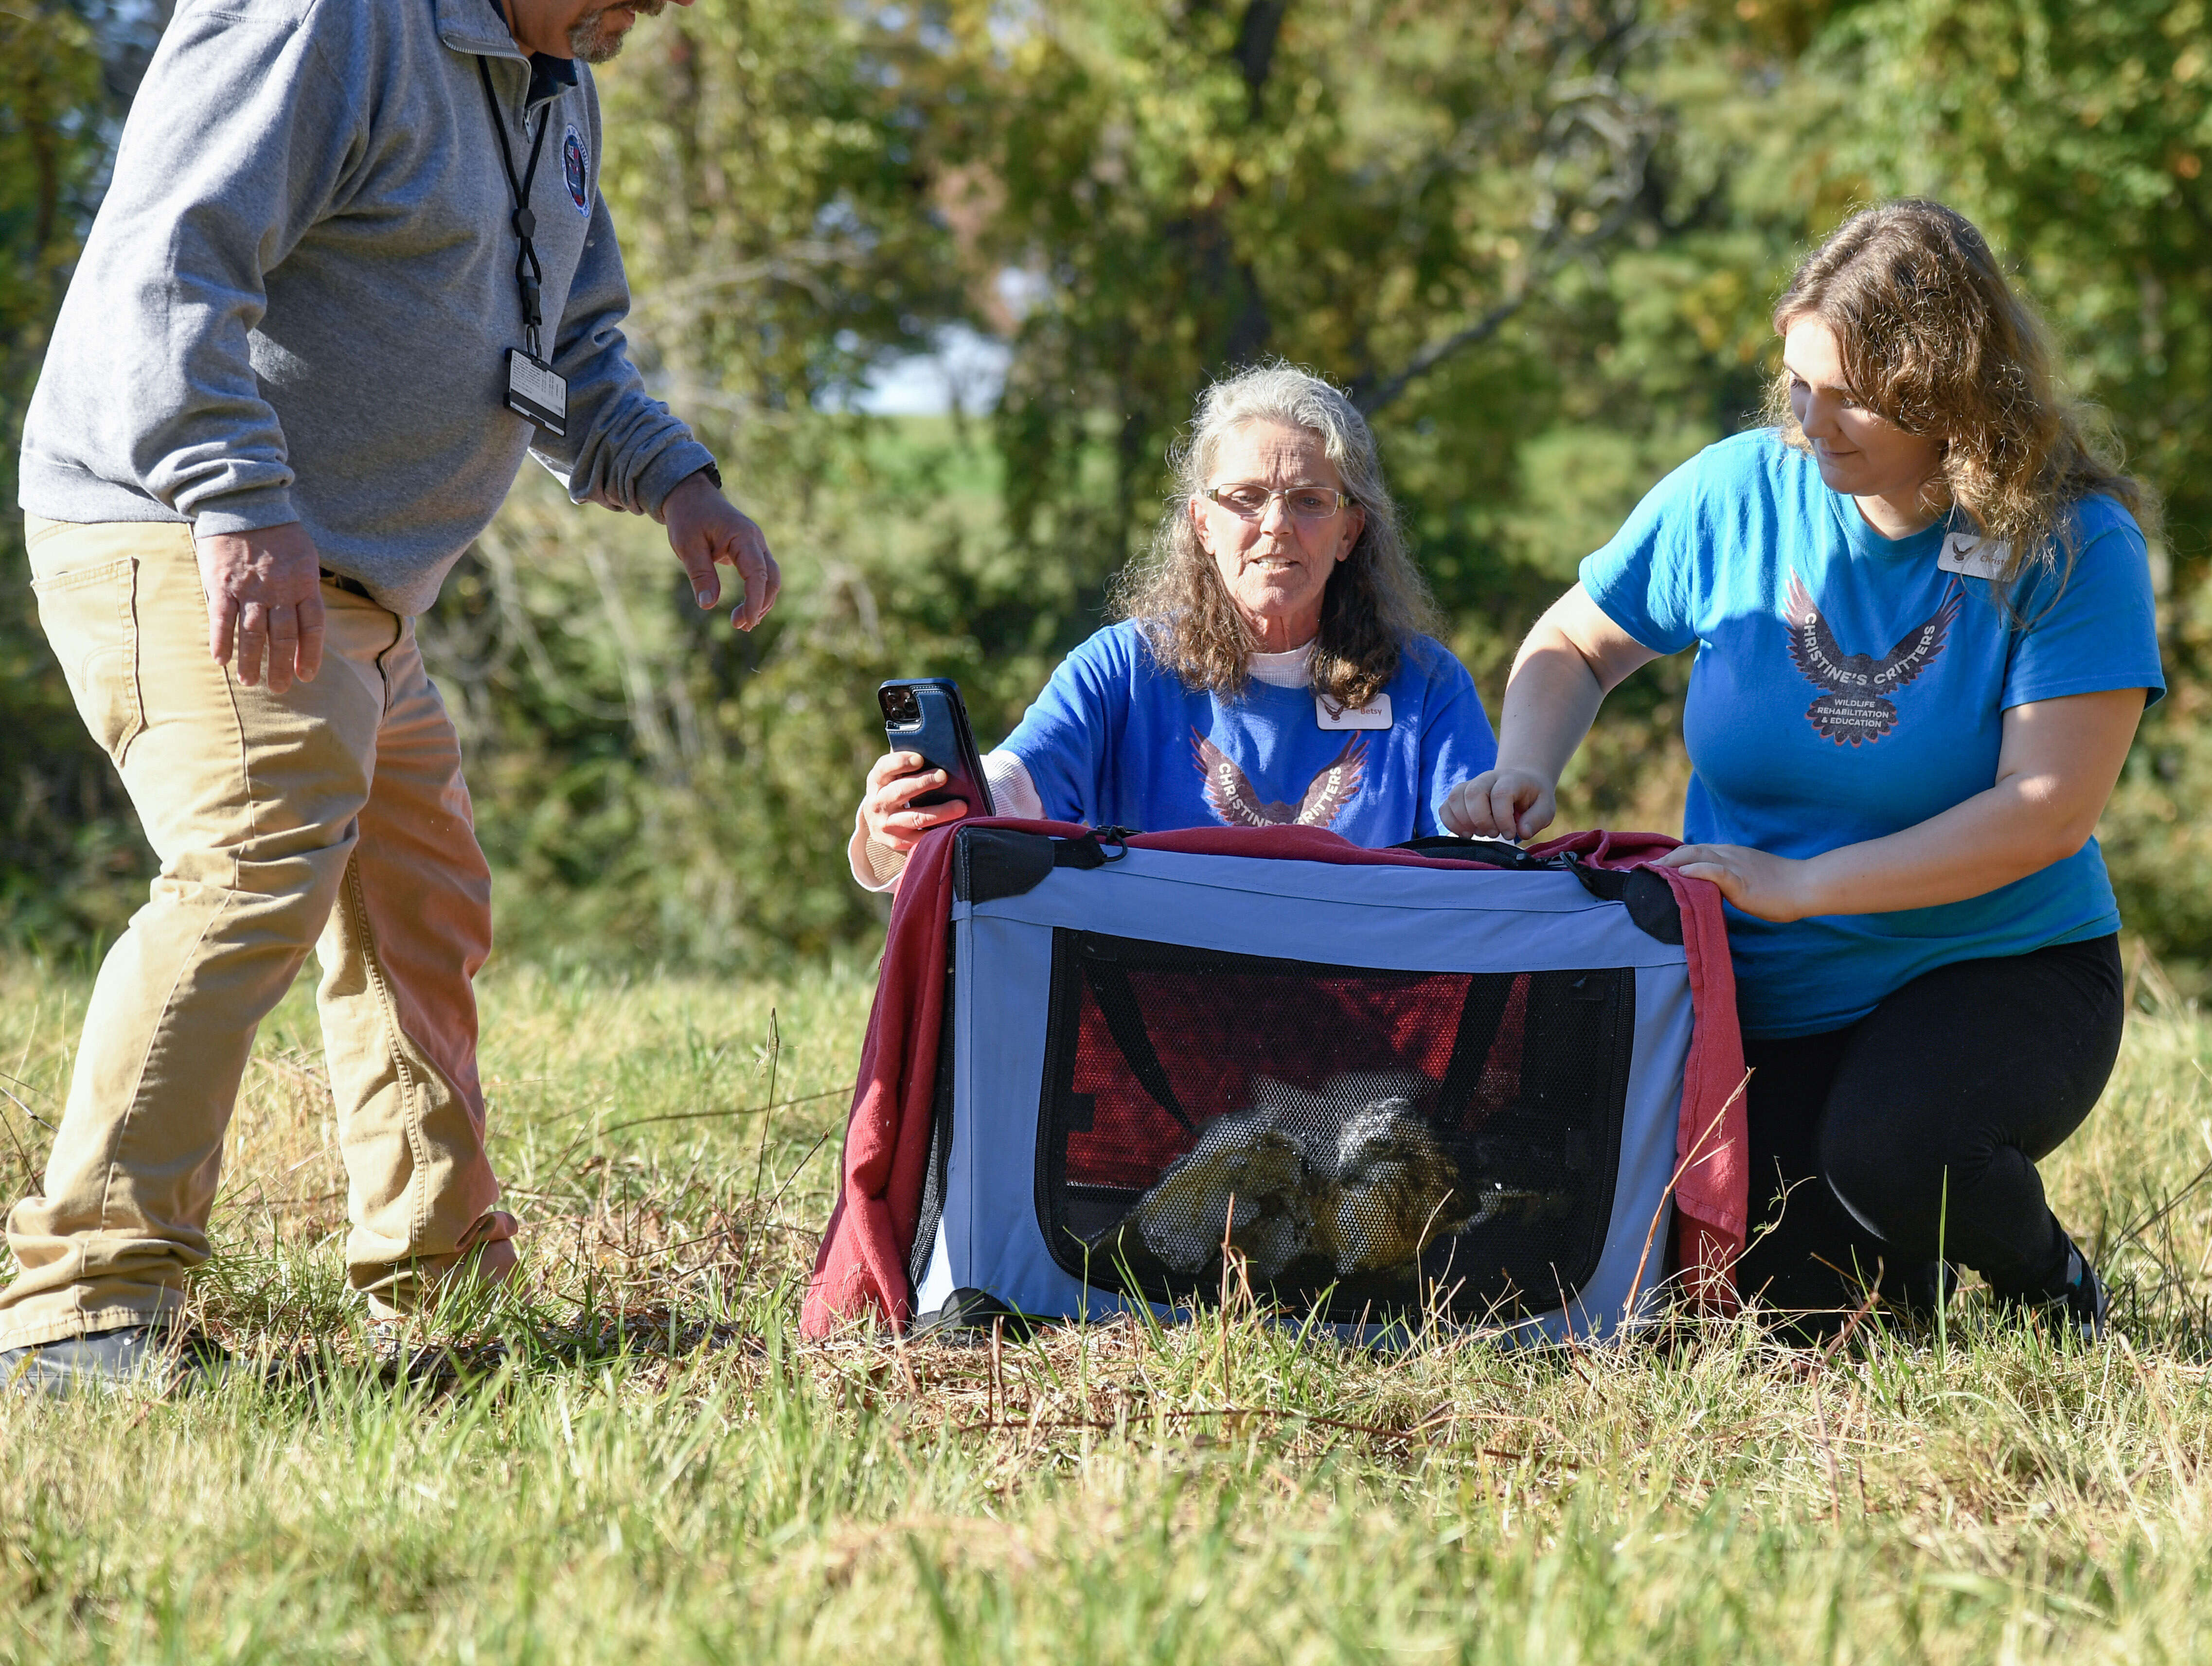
[(1115, 741), (1848, 686)]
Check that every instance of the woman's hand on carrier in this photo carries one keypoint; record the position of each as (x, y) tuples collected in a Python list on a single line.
[(895, 780), (1777, 888), (1501, 803)]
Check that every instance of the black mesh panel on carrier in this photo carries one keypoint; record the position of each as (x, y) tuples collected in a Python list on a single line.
[(1368, 1140)]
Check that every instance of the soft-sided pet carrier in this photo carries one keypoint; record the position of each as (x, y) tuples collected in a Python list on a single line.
[(1464, 1081)]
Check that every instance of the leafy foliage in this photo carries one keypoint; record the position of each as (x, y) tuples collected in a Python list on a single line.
[(1538, 238), (72, 853)]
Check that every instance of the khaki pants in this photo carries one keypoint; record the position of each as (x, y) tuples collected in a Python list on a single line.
[(332, 816)]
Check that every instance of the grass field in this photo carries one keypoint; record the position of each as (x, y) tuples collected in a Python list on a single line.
[(651, 1466)]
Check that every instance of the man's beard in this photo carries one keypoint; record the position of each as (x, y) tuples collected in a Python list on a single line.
[(589, 38)]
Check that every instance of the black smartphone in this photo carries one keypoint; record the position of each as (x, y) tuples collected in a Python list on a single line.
[(926, 715)]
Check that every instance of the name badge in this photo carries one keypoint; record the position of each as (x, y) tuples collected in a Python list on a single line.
[(1374, 714), (536, 390), (1976, 557)]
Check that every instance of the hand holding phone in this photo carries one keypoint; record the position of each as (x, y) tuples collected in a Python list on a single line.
[(932, 773), (889, 812)]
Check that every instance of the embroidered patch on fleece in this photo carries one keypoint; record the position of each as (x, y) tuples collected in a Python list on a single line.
[(572, 169)]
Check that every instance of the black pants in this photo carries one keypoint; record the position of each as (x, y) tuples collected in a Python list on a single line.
[(1924, 1121)]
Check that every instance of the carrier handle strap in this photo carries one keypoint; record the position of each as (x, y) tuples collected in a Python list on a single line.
[(1110, 984), (1089, 850), (1494, 853), (1651, 900)]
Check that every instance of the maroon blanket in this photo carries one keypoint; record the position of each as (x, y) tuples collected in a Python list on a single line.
[(861, 1269)]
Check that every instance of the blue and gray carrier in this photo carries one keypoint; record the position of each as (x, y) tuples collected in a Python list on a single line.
[(1376, 1094)]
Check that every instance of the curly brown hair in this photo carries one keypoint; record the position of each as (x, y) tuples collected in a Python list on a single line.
[(1933, 338), (1377, 602)]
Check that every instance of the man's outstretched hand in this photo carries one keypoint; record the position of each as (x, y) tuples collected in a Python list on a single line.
[(265, 595), (703, 529)]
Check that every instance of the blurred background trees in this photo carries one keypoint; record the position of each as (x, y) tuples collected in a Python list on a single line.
[(72, 864), (1537, 238)]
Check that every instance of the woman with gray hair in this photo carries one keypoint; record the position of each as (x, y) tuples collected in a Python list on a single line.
[(1275, 664)]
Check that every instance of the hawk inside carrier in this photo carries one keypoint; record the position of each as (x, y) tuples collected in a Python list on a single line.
[(1467, 1083)]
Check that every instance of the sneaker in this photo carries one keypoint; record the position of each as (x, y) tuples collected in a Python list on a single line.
[(2086, 1301), (158, 1359), (2080, 1300)]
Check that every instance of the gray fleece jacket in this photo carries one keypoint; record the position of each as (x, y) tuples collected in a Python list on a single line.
[(296, 301)]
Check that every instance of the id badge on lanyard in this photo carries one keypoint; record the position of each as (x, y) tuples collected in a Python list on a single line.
[(534, 389)]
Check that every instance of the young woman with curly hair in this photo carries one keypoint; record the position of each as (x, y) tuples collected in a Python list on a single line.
[(1921, 603)]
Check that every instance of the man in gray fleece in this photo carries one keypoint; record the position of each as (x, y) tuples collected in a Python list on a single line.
[(354, 263)]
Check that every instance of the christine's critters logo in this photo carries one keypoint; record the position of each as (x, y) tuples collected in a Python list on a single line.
[(1232, 796), (1853, 706), (572, 169)]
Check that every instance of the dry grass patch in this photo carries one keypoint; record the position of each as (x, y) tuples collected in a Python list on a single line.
[(640, 1460)]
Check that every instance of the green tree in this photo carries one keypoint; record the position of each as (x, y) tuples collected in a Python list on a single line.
[(1376, 190), (73, 854), (1538, 237)]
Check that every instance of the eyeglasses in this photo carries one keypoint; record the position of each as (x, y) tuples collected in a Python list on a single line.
[(1249, 502)]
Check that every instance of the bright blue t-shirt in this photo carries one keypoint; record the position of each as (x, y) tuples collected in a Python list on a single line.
[(1115, 741), (1846, 686)]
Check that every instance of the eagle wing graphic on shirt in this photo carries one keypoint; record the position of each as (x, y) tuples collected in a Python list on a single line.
[(1851, 708), (1230, 795)]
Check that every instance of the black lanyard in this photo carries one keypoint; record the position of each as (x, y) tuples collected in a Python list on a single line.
[(529, 275)]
